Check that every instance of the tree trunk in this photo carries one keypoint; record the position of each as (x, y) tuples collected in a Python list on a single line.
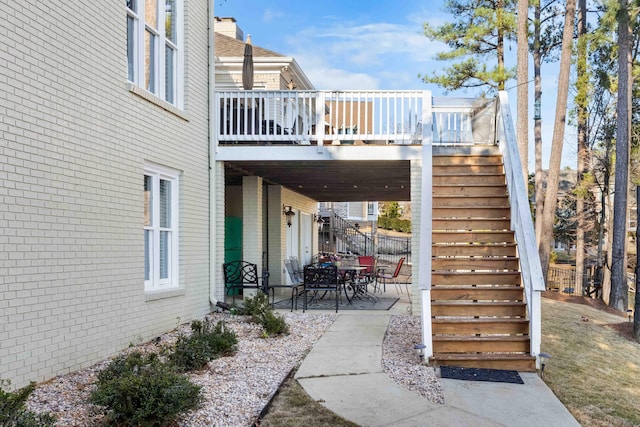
[(619, 297), (606, 283), (500, 41), (636, 307), (581, 110), (523, 87), (537, 60), (549, 213)]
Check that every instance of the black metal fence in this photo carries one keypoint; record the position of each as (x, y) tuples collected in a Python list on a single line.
[(338, 235), (563, 278)]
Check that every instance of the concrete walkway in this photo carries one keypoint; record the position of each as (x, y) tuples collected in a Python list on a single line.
[(343, 371)]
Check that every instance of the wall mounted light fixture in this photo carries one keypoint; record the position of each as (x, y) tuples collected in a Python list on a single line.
[(289, 213), (318, 219)]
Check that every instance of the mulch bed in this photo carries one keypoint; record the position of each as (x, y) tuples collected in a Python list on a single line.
[(624, 329)]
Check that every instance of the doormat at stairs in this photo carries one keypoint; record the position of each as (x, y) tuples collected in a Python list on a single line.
[(481, 374)]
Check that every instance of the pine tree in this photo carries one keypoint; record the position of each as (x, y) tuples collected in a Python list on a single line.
[(476, 38)]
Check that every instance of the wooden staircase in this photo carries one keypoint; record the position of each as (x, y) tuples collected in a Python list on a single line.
[(479, 317)]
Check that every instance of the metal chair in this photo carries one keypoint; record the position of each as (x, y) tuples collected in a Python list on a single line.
[(317, 279), (381, 274), (239, 275), (296, 282)]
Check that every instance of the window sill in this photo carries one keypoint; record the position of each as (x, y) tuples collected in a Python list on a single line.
[(163, 294), (148, 96)]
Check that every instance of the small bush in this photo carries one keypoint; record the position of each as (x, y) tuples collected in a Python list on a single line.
[(274, 324), (256, 306), (261, 312), (13, 411), (205, 343), (139, 390)]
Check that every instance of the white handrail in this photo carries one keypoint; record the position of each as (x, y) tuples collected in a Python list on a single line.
[(521, 221)]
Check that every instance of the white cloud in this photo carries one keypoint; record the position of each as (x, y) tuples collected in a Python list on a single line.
[(326, 76), (342, 55), (269, 15)]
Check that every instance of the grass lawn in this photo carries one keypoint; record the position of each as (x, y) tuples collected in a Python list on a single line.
[(595, 365)]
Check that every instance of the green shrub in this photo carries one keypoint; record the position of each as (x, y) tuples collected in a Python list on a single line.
[(261, 312), (205, 343), (274, 324), (13, 411), (256, 306), (397, 224), (139, 390)]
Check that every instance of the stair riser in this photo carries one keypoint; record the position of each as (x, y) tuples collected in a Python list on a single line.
[(470, 224), (469, 212), (470, 310), (480, 237), (476, 294), (470, 201), (467, 169), (465, 180), (472, 328), (473, 250), (443, 160), (460, 279), (457, 190), (474, 264), (514, 365), (520, 346)]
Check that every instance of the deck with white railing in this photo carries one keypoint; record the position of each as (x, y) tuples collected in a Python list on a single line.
[(348, 125), (351, 117)]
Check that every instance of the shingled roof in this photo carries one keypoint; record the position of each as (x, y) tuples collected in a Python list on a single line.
[(231, 47)]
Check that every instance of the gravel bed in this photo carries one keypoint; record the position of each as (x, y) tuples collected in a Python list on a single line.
[(236, 388), (401, 362)]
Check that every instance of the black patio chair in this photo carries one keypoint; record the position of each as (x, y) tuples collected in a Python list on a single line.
[(239, 275), (320, 279)]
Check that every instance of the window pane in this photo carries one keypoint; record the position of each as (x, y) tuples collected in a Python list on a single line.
[(150, 61), (164, 254), (169, 75), (165, 203), (130, 48), (148, 245), (148, 200), (151, 13), (133, 5), (170, 20)]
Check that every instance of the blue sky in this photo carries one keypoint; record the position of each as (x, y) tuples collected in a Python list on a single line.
[(370, 45)]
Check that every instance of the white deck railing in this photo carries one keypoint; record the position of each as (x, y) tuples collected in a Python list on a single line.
[(349, 117), (521, 221)]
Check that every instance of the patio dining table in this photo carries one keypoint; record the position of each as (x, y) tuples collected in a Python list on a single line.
[(350, 277)]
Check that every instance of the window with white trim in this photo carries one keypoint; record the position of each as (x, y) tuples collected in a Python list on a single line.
[(160, 228), (154, 47)]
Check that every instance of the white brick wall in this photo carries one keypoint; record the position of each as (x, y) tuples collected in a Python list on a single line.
[(73, 142)]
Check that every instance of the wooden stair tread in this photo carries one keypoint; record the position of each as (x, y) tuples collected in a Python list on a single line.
[(467, 320), (486, 356), (472, 303), (482, 273), (485, 338)]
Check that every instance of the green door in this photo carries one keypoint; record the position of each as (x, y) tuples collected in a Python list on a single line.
[(233, 240)]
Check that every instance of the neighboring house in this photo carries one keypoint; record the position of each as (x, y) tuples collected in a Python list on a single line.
[(351, 211), (104, 197), (272, 70)]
